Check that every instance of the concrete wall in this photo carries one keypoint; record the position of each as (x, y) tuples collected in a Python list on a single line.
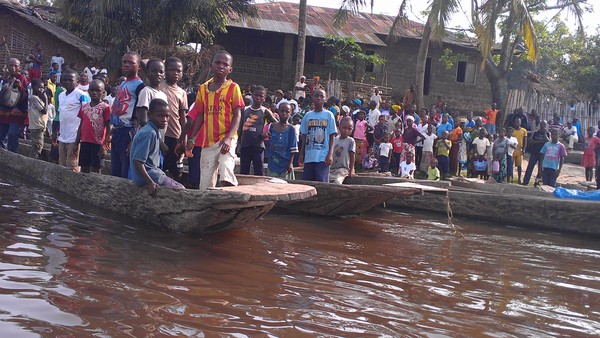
[(21, 36), (398, 72)]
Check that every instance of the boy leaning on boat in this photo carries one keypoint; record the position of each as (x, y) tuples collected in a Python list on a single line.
[(145, 148)]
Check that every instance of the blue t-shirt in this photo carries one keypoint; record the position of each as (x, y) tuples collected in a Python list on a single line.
[(444, 126), (552, 153), (125, 102), (281, 146), (145, 148), (317, 126)]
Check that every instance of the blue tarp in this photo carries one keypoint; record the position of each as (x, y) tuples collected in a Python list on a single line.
[(577, 194)]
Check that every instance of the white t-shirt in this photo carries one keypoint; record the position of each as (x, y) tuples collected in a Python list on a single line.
[(148, 94), (428, 141), (422, 128), (481, 144), (69, 106), (373, 118), (512, 141), (90, 72), (376, 98), (405, 169), (384, 149), (300, 93), (58, 60), (570, 131), (83, 88)]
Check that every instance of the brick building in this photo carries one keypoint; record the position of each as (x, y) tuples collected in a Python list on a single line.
[(264, 50), (22, 27)]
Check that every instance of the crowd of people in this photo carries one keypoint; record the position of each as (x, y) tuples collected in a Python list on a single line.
[(149, 128)]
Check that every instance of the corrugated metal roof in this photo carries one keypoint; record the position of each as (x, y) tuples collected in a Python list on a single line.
[(282, 17)]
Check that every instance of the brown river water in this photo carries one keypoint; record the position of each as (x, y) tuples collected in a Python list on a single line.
[(69, 272)]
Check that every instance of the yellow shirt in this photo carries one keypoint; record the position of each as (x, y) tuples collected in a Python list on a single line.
[(520, 135), (440, 150)]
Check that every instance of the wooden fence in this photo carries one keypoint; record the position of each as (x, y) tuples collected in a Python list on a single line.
[(547, 105), (351, 90)]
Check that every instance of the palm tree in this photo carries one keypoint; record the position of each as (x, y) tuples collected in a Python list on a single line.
[(300, 50), (435, 27), (514, 16)]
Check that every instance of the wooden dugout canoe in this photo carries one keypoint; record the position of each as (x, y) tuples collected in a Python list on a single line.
[(340, 199), (508, 205), (179, 210)]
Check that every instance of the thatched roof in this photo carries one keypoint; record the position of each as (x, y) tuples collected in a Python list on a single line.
[(558, 89), (31, 15)]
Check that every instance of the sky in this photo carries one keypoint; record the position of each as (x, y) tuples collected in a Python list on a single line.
[(460, 19)]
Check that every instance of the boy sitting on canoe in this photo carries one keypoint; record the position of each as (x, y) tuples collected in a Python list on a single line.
[(145, 148), (344, 153)]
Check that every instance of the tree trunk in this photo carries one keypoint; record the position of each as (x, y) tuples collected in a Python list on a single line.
[(499, 88), (301, 40), (421, 62)]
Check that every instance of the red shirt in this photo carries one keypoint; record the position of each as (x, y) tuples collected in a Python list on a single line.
[(397, 144), (92, 122)]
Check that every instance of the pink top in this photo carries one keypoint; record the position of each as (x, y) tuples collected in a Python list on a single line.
[(360, 129), (590, 145)]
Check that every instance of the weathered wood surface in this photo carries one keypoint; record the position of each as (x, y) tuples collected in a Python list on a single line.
[(498, 188), (179, 210), (344, 199), (510, 209)]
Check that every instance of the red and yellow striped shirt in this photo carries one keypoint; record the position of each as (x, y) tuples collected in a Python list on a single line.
[(217, 115)]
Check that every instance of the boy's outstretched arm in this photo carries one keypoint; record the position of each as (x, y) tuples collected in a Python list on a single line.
[(352, 156)]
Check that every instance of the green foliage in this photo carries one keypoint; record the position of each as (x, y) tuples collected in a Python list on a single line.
[(344, 54), (449, 59), (170, 22)]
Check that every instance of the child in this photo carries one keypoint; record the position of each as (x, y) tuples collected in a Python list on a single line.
[(499, 151), (379, 132), (512, 145), (396, 142), (283, 145), (84, 82), (144, 156), (428, 143), (344, 153), (70, 102), (174, 138), (442, 151), (38, 117), (407, 168), (588, 161), (155, 73), (463, 149), (251, 132), (553, 156), (385, 152), (520, 134), (433, 173), (95, 124), (360, 135), (370, 161), (317, 132), (122, 112), (219, 135), (489, 157), (481, 144)]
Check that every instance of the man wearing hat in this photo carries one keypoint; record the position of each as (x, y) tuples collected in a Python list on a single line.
[(300, 88), (394, 118)]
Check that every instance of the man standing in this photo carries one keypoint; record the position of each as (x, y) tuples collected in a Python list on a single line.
[(409, 97), (36, 69), (12, 118), (300, 88), (58, 59)]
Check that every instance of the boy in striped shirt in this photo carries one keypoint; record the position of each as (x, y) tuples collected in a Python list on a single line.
[(216, 116)]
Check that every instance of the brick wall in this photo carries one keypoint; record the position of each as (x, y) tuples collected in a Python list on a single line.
[(398, 72), (21, 36)]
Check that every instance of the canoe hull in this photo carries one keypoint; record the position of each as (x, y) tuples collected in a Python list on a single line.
[(189, 211)]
